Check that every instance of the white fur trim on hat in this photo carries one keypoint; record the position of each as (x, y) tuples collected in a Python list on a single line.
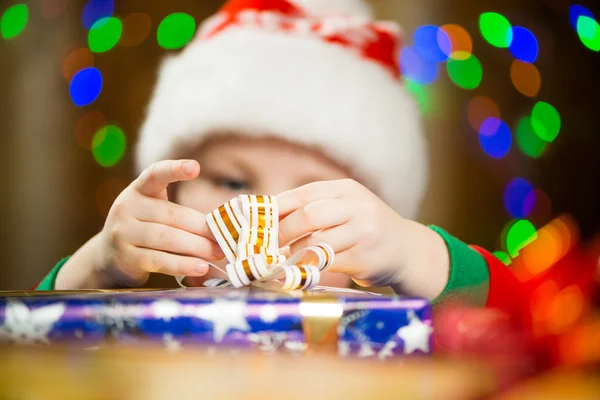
[(327, 7), (297, 88)]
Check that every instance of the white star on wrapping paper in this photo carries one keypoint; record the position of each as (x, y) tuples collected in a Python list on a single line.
[(387, 350), (25, 326), (415, 335), (296, 347), (166, 309), (225, 315), (268, 313), (343, 348), (365, 350)]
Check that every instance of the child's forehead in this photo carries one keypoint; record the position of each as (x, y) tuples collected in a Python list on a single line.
[(266, 150)]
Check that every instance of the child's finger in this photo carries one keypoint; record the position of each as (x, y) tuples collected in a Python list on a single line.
[(156, 236), (159, 175), (319, 215), (297, 198), (156, 261), (339, 237), (174, 215)]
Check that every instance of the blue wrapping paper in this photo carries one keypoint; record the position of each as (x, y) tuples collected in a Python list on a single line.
[(359, 324)]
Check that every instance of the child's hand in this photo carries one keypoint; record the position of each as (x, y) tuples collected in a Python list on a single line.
[(373, 245), (145, 233)]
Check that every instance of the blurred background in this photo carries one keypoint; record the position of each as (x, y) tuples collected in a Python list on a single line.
[(509, 91)]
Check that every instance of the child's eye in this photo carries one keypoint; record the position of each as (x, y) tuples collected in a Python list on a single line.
[(232, 184)]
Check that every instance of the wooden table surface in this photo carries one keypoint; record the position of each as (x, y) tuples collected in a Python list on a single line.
[(130, 374)]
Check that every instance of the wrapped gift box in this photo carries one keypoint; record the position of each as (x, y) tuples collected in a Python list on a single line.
[(351, 323)]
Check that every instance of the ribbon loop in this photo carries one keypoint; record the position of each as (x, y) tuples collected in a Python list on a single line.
[(247, 230)]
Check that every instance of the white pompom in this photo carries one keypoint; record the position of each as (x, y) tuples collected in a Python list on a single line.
[(332, 7)]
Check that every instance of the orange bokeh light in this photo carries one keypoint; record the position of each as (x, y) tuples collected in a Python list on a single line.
[(544, 251), (460, 40), (564, 309), (136, 28), (526, 78), (481, 108), (87, 126), (77, 60)]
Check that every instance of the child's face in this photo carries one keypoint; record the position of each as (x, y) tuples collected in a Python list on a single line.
[(235, 165)]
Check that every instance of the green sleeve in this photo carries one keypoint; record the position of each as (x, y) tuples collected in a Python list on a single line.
[(469, 274), (48, 282)]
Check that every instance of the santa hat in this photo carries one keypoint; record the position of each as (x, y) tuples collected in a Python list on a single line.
[(315, 72)]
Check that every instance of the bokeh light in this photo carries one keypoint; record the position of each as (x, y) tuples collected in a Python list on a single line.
[(14, 20), (543, 252), (545, 121), (432, 43), (87, 126), (136, 28), (524, 45), (576, 11), (529, 142), (108, 145), (589, 32), (176, 30), (420, 93), (481, 108), (526, 78), (519, 198), (77, 60), (53, 8), (496, 29), (86, 86), (416, 67), (461, 44), (96, 10), (495, 137), (564, 309), (465, 72), (107, 193), (104, 34), (518, 235), (502, 256), (552, 242)]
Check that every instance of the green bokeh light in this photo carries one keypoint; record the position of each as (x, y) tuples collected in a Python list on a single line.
[(14, 20), (589, 32), (520, 234), (105, 34), (502, 256), (465, 73), (496, 29), (176, 30), (108, 146), (420, 93), (546, 122), (528, 140)]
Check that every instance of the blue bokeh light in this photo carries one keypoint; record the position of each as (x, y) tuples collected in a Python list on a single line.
[(524, 45), (86, 86), (576, 11), (416, 67), (95, 10), (432, 43), (519, 198), (495, 137)]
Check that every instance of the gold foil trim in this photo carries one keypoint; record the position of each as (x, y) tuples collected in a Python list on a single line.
[(321, 316)]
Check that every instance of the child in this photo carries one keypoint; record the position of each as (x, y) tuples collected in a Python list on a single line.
[(295, 99)]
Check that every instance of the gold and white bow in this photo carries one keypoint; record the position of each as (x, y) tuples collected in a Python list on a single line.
[(247, 228)]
